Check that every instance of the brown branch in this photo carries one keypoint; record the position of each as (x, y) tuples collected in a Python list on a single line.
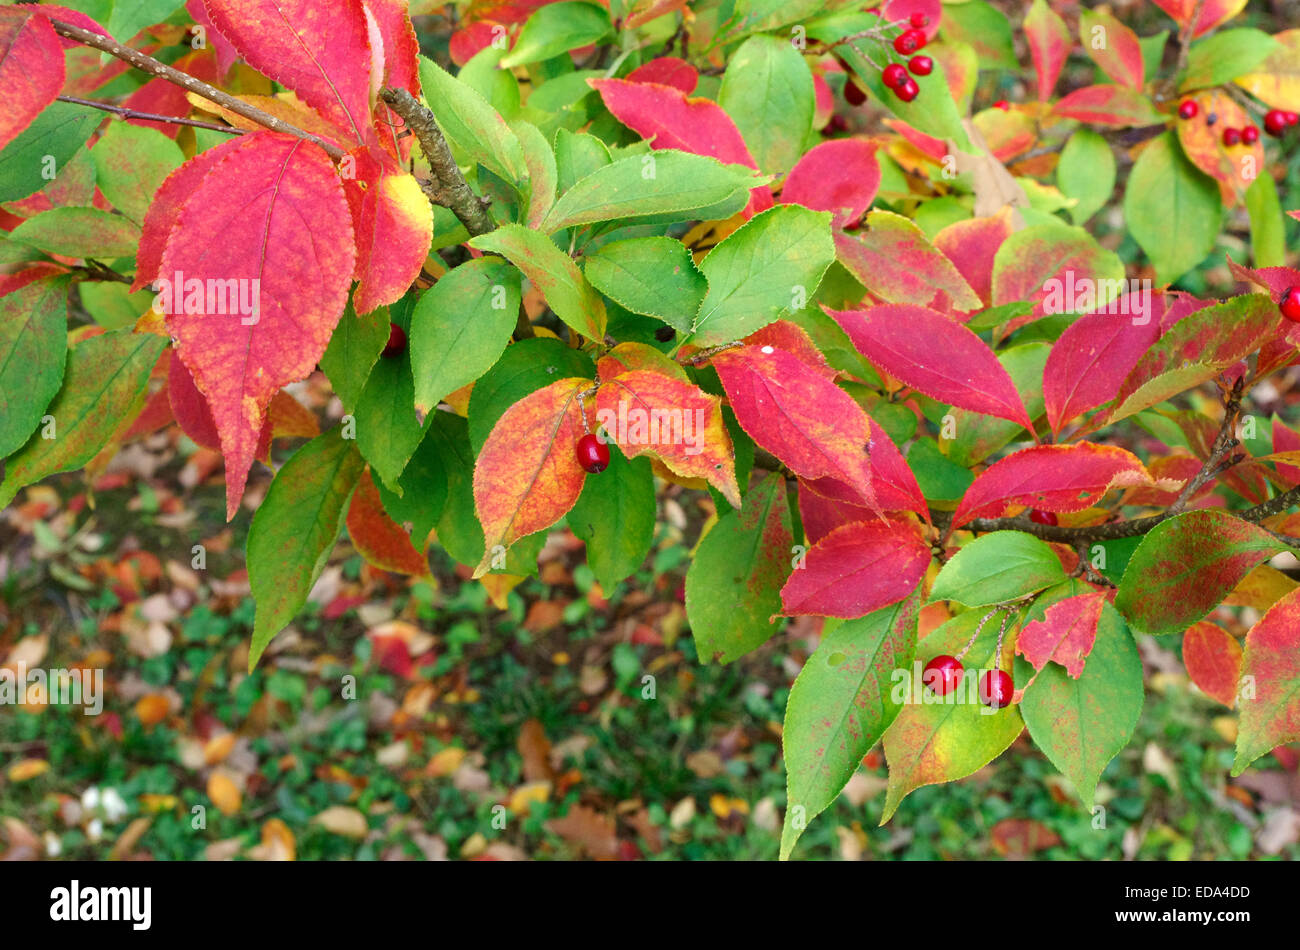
[(1219, 459), (449, 189), (148, 64), (123, 112), (1185, 38)]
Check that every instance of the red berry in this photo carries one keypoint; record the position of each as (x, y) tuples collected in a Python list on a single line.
[(1275, 123), (1003, 105), (908, 42), (908, 91), (593, 454), (893, 75), (1290, 304), (1292, 118), (396, 344), (1043, 517), (942, 674), (1231, 137), (919, 20), (921, 65), (853, 95), (874, 11), (1188, 109), (996, 688), (1250, 135)]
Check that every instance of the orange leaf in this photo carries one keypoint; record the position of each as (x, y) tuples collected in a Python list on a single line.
[(527, 476), (393, 221), (224, 792), (379, 539), (647, 412), (31, 69)]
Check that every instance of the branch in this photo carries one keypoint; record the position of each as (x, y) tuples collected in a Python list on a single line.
[(150, 65), (124, 113), (1185, 38), (1219, 460), (449, 189)]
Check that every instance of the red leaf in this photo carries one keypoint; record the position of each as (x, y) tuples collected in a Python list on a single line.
[(1091, 358), (672, 120), (226, 53), (393, 223), (929, 146), (858, 568), (935, 356), (401, 69), (1116, 106), (792, 338), (1051, 478), (1065, 635), (796, 413), (1049, 44), (379, 539), (892, 482), (667, 71), (467, 43), (932, 10), (272, 211), (166, 206), (895, 261), (1213, 13), (31, 69), (821, 514), (1119, 55), (1286, 440), (840, 176), (972, 244), (1213, 660), (321, 51)]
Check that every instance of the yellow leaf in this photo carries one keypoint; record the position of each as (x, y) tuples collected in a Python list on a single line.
[(277, 843), (446, 761), (342, 820), (217, 748), (224, 792), (522, 798), (152, 709), (27, 769), (1277, 81)]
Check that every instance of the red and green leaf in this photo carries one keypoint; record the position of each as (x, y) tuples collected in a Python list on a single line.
[(1049, 44), (31, 69), (893, 259), (1270, 695)]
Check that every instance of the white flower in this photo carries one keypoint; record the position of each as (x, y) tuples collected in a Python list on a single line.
[(114, 807), (53, 846), (95, 829), (90, 798)]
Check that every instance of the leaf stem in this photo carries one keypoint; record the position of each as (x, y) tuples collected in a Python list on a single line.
[(124, 113)]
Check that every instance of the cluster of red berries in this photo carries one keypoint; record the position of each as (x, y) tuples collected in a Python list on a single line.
[(1289, 304), (1277, 121), (1247, 136), (944, 672), (907, 43)]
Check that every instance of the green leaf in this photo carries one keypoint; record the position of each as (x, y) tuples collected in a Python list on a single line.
[(1173, 209), (353, 351), (978, 435), (762, 272), (651, 275), (996, 568), (541, 170), (460, 327), (129, 17), (525, 367), (941, 739), (294, 530), (553, 273), (939, 478), (1267, 228), (1185, 566), (79, 232), (840, 706), (424, 489), (112, 305), (615, 516), (472, 127), (767, 90), (577, 155), (983, 27), (131, 162), (33, 350), (557, 28), (733, 586), (1086, 173), (1082, 724), (38, 154), (387, 428), (104, 386), (666, 182), (1225, 55)]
